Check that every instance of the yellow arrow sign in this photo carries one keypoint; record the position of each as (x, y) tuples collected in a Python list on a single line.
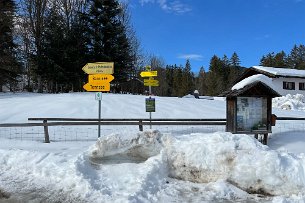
[(98, 78), (99, 68), (151, 80), (151, 84), (149, 74), (100, 87)]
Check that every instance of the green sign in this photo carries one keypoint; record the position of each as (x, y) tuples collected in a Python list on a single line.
[(98, 96), (150, 104)]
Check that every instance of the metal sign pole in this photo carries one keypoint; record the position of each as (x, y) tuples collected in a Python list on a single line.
[(150, 112), (99, 117), (98, 96)]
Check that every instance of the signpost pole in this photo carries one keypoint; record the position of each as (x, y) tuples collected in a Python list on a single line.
[(98, 96), (150, 112), (150, 82), (99, 81), (99, 117)]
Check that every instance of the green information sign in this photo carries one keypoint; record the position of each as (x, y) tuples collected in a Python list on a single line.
[(150, 104)]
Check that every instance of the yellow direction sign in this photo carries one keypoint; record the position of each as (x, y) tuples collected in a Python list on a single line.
[(149, 74), (97, 87), (100, 78), (151, 80), (99, 68), (153, 83)]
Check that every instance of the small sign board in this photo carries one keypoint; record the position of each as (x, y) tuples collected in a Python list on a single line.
[(100, 87), (98, 96), (150, 104), (151, 82), (99, 68), (100, 78), (149, 74)]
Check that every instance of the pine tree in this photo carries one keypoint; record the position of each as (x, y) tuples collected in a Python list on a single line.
[(268, 60), (226, 71), (214, 77), (177, 78), (9, 66), (187, 79), (53, 50), (170, 80), (234, 60), (296, 58), (107, 37), (280, 59), (235, 69), (201, 82), (274, 60)]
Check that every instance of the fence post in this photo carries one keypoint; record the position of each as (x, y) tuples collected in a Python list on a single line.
[(46, 132), (140, 125)]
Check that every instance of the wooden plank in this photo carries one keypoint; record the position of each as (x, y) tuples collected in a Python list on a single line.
[(21, 124), (290, 118), (127, 119), (111, 123)]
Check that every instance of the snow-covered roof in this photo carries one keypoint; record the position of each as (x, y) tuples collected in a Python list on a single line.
[(281, 71), (254, 78)]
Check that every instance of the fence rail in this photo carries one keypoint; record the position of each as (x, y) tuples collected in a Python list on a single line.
[(46, 122)]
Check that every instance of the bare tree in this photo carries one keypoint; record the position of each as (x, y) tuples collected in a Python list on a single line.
[(33, 12)]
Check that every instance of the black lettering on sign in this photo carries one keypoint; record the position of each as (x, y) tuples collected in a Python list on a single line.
[(97, 87)]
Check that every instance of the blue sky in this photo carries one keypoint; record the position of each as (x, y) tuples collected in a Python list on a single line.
[(198, 29)]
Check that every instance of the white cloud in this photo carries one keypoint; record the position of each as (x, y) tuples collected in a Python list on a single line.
[(171, 6), (196, 57)]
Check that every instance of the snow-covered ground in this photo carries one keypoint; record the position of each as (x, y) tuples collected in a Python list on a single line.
[(151, 166)]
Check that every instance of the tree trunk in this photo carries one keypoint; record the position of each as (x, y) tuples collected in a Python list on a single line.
[(40, 90)]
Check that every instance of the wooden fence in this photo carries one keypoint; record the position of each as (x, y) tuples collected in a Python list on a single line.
[(46, 122)]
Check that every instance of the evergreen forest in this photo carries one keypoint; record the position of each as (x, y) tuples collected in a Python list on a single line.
[(45, 43)]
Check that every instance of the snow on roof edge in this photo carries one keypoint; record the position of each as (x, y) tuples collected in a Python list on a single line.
[(281, 71), (249, 80)]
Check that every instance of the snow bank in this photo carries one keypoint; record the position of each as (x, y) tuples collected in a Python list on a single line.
[(239, 159), (205, 158), (144, 145), (289, 102)]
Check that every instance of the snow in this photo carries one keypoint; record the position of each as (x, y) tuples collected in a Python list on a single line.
[(150, 166), (281, 71), (258, 77), (290, 102)]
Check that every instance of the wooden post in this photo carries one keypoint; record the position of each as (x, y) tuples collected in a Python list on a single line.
[(265, 139), (46, 132), (141, 125)]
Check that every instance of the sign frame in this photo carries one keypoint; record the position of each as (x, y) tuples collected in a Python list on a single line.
[(150, 104)]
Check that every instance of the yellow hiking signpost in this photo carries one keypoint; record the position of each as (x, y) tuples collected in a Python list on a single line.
[(99, 68), (103, 87), (148, 74), (99, 79), (151, 82)]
